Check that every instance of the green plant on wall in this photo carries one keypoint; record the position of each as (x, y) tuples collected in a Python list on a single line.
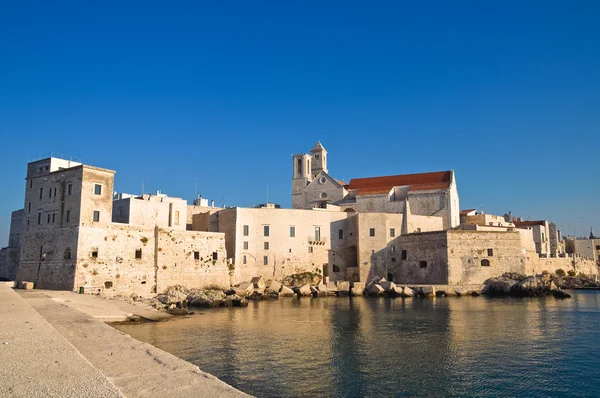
[(144, 240)]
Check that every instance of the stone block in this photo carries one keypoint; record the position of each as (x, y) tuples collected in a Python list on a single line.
[(286, 292), (375, 290), (459, 291), (428, 291), (358, 289), (408, 292), (387, 286), (304, 290), (332, 288), (258, 282), (26, 285), (274, 286), (244, 289), (321, 287), (343, 288)]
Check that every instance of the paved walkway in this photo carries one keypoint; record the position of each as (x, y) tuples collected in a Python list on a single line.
[(110, 362)]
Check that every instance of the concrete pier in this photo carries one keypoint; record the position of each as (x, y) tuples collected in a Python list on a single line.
[(49, 348)]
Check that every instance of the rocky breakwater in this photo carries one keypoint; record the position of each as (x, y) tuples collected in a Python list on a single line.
[(379, 286), (176, 300), (518, 285)]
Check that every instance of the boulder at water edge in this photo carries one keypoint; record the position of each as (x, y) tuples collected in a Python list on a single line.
[(286, 292), (343, 288)]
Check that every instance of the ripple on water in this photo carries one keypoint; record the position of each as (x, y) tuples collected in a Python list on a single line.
[(378, 346)]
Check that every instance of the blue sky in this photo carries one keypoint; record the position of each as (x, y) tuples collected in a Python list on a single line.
[(505, 93)]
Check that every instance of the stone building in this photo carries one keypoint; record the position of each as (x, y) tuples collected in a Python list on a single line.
[(541, 234), (430, 194), (70, 239), (10, 255)]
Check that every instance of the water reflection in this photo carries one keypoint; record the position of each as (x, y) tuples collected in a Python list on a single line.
[(366, 347)]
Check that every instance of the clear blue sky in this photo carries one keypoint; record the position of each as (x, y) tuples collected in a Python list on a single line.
[(505, 93)]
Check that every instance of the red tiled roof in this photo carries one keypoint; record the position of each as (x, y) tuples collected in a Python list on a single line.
[(416, 182), (528, 223), (463, 212)]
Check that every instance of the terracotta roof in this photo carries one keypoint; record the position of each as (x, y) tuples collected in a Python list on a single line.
[(463, 212), (528, 223), (416, 182)]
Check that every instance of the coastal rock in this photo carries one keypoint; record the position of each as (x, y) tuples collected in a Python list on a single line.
[(387, 286), (559, 294), (172, 297), (286, 292), (258, 282), (274, 286), (177, 311), (460, 291), (205, 298), (375, 290), (343, 288), (357, 289), (407, 292), (304, 290), (332, 288), (428, 291), (396, 291), (498, 286), (244, 289)]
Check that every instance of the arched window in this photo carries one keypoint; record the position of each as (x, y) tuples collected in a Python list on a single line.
[(485, 262)]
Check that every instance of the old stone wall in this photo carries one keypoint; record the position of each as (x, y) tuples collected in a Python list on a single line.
[(579, 264), (279, 254), (91, 202), (474, 256), (190, 258), (379, 254), (9, 261), (422, 258), (151, 210)]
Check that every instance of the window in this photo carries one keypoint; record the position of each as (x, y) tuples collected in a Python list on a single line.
[(95, 254), (96, 216), (29, 207), (404, 255), (372, 252), (341, 234), (392, 232), (97, 189), (30, 183), (318, 234), (485, 262), (215, 256), (53, 218), (39, 218), (543, 237), (67, 255), (323, 195), (266, 260), (266, 230), (372, 232), (48, 218), (244, 259), (393, 259), (422, 264), (490, 252), (69, 189), (292, 232), (108, 285), (41, 192), (310, 249), (68, 215), (598, 247), (266, 245), (50, 193), (138, 254), (196, 255), (418, 230), (246, 230), (336, 268), (392, 248), (245, 245)]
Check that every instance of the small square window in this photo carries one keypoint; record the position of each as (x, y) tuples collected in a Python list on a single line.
[(266, 245), (490, 252), (392, 248), (95, 254), (266, 230), (292, 232), (96, 216), (422, 264), (372, 232), (404, 254), (246, 230), (310, 249), (245, 245), (215, 256), (266, 260), (341, 234), (392, 232), (138, 254), (97, 189), (196, 255)]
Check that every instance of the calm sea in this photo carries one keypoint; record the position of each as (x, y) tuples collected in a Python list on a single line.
[(468, 346)]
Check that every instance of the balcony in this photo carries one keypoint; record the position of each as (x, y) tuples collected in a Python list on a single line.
[(320, 242)]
